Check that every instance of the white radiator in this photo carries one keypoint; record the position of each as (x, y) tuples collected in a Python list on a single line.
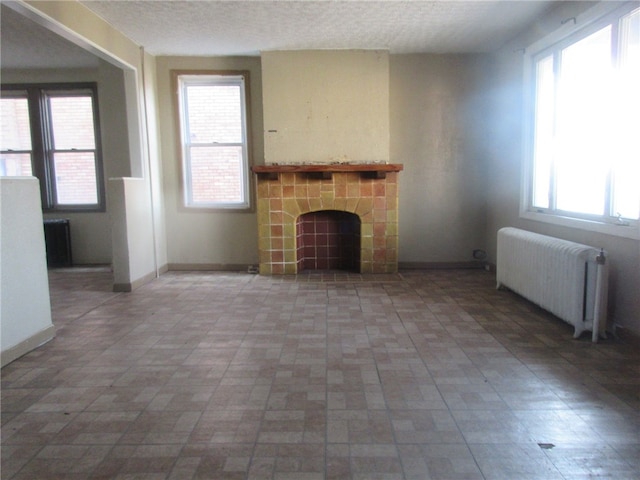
[(565, 278)]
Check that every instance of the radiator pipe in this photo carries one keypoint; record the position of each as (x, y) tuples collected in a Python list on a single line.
[(599, 300)]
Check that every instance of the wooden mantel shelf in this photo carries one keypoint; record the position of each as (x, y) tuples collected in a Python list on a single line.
[(374, 170)]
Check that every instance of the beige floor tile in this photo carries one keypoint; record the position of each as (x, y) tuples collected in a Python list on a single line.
[(215, 375)]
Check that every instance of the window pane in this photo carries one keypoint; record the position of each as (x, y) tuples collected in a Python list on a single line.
[(16, 132), (75, 178), (216, 174), (626, 193), (544, 130), (215, 113), (583, 129), (72, 122), (15, 164)]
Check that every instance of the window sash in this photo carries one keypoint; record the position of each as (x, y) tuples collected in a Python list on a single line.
[(16, 163), (73, 183), (545, 159), (226, 189), (16, 151)]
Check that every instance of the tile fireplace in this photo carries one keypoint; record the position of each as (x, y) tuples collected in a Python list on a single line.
[(287, 192)]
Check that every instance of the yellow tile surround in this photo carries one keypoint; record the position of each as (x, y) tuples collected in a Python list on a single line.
[(281, 200)]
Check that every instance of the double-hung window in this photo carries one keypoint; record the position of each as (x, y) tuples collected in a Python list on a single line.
[(50, 132), (585, 135), (214, 140)]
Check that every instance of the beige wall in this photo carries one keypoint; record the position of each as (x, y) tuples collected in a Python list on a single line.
[(79, 25), (326, 106), (433, 123), (504, 150), (435, 120), (200, 238)]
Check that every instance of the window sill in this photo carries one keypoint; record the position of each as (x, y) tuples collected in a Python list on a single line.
[(69, 210), (625, 231)]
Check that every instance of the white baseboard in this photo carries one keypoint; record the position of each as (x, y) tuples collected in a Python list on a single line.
[(25, 346)]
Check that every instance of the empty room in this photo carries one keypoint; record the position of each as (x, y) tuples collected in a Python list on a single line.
[(320, 240)]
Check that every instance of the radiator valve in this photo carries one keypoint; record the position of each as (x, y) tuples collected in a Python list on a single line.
[(600, 259)]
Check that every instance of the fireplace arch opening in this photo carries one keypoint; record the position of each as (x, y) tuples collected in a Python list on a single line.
[(328, 240)]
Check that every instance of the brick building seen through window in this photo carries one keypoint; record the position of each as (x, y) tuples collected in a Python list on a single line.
[(213, 119), (51, 132)]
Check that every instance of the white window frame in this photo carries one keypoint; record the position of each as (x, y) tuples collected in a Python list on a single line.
[(235, 78), (572, 30)]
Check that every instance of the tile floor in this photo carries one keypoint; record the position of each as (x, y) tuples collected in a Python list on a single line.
[(420, 375)]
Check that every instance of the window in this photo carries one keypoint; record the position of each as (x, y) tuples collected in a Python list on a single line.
[(15, 159), (215, 154), (51, 132), (586, 107)]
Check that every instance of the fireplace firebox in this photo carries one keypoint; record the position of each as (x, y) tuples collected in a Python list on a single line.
[(328, 240)]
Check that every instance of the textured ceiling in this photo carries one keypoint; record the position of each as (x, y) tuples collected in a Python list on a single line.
[(246, 27)]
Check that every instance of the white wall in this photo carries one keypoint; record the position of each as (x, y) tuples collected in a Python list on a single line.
[(131, 226), (324, 106), (503, 147), (25, 310), (155, 171), (199, 238)]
